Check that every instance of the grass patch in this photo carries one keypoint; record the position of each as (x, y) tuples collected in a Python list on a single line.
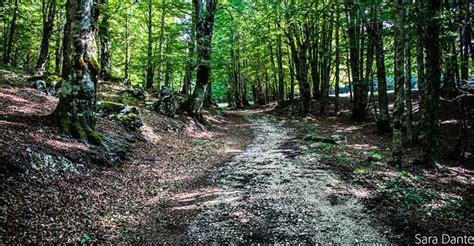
[(375, 155), (361, 171), (343, 159)]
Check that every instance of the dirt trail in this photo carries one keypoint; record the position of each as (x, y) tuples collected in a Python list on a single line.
[(270, 194)]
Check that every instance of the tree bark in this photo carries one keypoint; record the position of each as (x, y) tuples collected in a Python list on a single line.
[(76, 108), (408, 96), (359, 92), (127, 49), (105, 44), (68, 39), (383, 119), (466, 37), (431, 90), (281, 75), (58, 48), (149, 67), (49, 13), (397, 138), (204, 32), (11, 33), (190, 60), (338, 62), (161, 44)]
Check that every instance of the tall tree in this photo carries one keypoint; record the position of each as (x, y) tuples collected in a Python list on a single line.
[(76, 108), (338, 61), (190, 58), (49, 13), (161, 45), (105, 42), (397, 138), (431, 89), (383, 119), (360, 89), (204, 31), (407, 77), (11, 33), (149, 26), (68, 39), (281, 73)]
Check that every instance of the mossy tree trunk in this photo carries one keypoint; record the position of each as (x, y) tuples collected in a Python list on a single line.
[(75, 112), (204, 31)]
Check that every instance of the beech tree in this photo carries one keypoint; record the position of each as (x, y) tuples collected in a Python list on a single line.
[(204, 30), (75, 112)]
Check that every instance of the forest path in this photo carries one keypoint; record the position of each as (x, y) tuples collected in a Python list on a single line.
[(270, 193)]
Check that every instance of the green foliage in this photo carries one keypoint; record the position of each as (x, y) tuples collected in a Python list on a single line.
[(361, 170), (311, 131), (375, 155)]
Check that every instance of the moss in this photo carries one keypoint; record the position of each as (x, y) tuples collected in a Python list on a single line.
[(53, 81), (110, 107), (94, 63), (95, 137), (65, 124), (79, 131)]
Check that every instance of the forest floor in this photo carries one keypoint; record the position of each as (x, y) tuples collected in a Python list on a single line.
[(255, 176), (55, 189)]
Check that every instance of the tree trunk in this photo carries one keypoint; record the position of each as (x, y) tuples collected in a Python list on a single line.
[(190, 63), (281, 75), (149, 53), (326, 63), (408, 104), (68, 39), (11, 33), (160, 44), (466, 45), (359, 97), (431, 91), (76, 108), (49, 13), (383, 119), (397, 138), (105, 57), (315, 75), (204, 31), (127, 49), (292, 79), (338, 62), (58, 48)]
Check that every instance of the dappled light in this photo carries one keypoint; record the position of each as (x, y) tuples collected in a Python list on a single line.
[(236, 122)]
